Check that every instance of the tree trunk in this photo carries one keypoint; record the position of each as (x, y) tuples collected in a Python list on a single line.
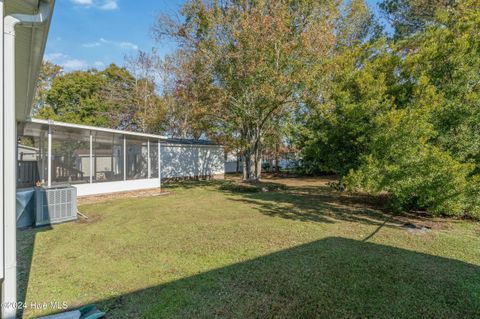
[(245, 167), (277, 161), (259, 167), (252, 165)]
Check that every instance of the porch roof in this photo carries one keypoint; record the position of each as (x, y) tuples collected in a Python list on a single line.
[(32, 125)]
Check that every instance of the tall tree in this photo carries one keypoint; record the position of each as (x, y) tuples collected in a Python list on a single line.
[(75, 97), (118, 95), (48, 72), (150, 111), (189, 94), (259, 55), (410, 16), (356, 24), (112, 98)]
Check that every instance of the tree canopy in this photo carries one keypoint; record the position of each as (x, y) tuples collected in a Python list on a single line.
[(112, 98)]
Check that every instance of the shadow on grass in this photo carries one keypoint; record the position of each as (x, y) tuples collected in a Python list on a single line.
[(189, 183), (317, 203), (25, 248), (314, 203), (329, 278)]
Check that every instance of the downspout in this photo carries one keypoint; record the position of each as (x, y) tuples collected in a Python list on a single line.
[(9, 286), (2, 10)]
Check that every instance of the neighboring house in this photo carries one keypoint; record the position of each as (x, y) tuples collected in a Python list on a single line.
[(234, 164), (27, 153)]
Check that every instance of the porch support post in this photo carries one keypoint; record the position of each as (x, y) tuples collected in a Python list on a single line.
[(160, 163), (49, 157), (124, 158), (149, 165), (41, 158), (91, 158)]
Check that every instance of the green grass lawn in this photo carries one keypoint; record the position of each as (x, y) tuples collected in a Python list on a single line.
[(297, 249)]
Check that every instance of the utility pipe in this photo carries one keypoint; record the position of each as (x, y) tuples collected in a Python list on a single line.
[(9, 285)]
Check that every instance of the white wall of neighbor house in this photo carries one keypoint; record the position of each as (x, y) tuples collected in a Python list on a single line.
[(27, 153), (180, 161), (232, 163)]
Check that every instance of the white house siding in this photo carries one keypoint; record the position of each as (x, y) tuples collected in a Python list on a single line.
[(27, 153), (188, 161)]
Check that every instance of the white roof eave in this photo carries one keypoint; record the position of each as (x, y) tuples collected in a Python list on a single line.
[(93, 128), (29, 50)]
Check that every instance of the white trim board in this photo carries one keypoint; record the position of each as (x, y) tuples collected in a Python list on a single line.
[(115, 187)]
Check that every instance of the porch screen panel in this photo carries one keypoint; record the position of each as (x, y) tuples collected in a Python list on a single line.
[(107, 157), (154, 158), (69, 148), (32, 159), (137, 158)]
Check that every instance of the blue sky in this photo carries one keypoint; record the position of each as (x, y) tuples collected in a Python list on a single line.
[(95, 33)]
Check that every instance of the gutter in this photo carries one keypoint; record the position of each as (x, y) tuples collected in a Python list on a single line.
[(9, 285), (27, 20)]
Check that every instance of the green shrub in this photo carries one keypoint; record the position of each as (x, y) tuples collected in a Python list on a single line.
[(416, 174), (431, 181)]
